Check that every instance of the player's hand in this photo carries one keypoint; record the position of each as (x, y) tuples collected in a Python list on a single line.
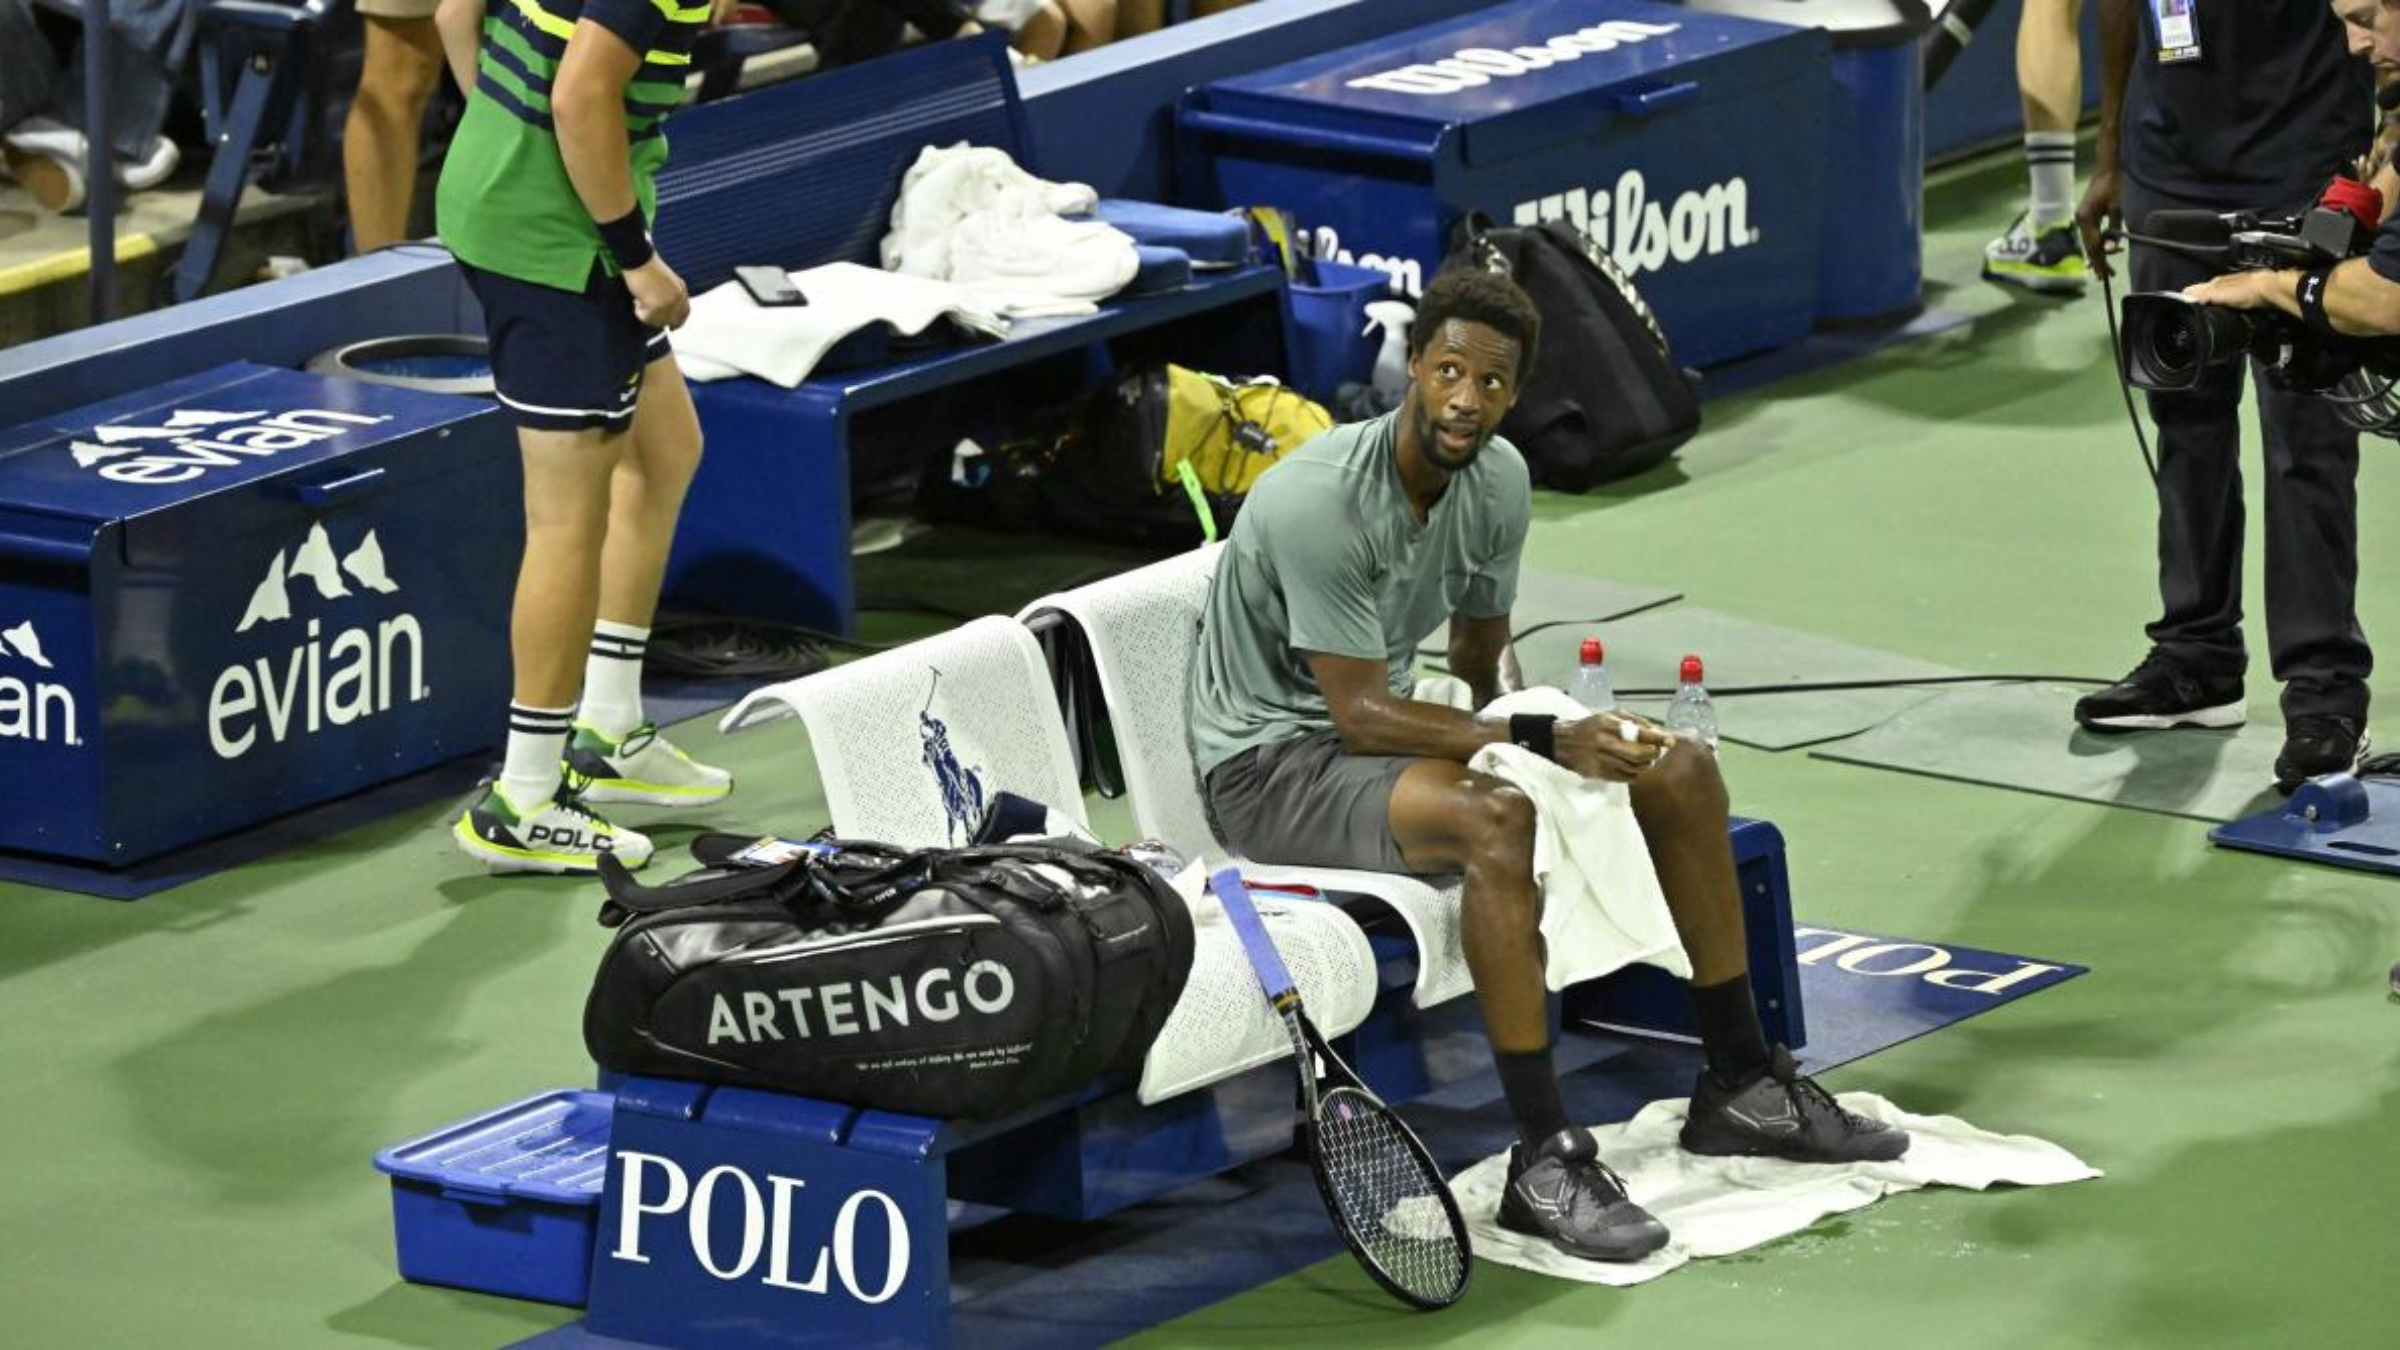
[(2103, 209), (1613, 747), (659, 297)]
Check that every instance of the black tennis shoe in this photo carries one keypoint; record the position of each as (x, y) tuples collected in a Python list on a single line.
[(2162, 693), (1780, 1114), (2316, 744), (1563, 1192)]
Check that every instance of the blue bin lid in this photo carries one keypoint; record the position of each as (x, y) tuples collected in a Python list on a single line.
[(1853, 23), (205, 435), (1495, 83), (552, 1146)]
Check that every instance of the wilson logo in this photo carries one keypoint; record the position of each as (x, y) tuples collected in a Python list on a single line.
[(317, 682), (33, 708), (1472, 66), (1645, 235), (195, 440)]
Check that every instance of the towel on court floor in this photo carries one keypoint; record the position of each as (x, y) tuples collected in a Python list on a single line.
[(1602, 909), (730, 334), (1719, 1206)]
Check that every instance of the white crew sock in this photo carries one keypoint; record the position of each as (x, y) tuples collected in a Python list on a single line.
[(537, 740), (2050, 164), (612, 679)]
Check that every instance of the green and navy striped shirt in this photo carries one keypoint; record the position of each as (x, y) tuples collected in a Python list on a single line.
[(505, 203)]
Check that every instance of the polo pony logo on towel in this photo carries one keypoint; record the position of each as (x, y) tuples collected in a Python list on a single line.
[(962, 787)]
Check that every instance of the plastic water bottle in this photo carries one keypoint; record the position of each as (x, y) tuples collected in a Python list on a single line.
[(1391, 361), (1590, 686), (1691, 714)]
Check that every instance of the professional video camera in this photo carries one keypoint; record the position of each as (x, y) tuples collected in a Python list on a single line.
[(2171, 341)]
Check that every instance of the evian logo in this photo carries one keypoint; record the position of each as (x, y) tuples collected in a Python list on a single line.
[(1472, 66), (195, 440), (31, 707), (1644, 235), (315, 682)]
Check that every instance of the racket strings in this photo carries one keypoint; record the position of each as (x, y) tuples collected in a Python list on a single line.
[(1392, 1202)]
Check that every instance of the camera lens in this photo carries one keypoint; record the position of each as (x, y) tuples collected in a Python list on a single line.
[(2173, 351)]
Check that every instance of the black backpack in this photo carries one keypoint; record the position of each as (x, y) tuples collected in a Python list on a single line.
[(953, 983), (1605, 398)]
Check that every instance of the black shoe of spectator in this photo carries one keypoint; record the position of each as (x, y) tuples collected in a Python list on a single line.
[(2162, 693), (2316, 744), (1563, 1192)]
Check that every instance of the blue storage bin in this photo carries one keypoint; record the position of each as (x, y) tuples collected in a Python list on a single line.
[(1330, 341), (505, 1203)]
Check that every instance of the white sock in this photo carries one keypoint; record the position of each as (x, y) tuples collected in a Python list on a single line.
[(537, 740), (2050, 163), (612, 678)]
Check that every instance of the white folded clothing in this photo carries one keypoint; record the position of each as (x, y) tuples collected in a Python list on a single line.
[(782, 344), (970, 214), (1602, 908), (1719, 1206)]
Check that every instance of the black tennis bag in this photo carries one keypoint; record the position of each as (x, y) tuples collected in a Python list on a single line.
[(954, 983), (1605, 398)]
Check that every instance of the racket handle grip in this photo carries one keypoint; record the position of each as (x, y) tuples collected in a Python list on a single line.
[(1265, 961)]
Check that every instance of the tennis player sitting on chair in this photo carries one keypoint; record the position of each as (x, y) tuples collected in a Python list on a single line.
[(1346, 556)]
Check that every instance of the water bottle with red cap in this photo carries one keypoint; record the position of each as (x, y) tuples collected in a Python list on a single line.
[(1590, 687), (1692, 715)]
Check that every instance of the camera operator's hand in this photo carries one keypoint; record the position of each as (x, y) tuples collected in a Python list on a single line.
[(2240, 290), (2102, 209), (1599, 747), (659, 297)]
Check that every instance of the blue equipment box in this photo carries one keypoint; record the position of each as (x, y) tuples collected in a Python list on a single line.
[(504, 1203), (1691, 145), (241, 593)]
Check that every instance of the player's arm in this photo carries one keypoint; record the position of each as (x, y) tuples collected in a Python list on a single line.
[(587, 105), (1480, 656), (1372, 720), (460, 26)]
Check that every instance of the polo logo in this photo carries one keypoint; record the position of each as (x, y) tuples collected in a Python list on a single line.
[(33, 708), (962, 788), (1470, 67), (1644, 235), (195, 440), (769, 1243), (314, 682)]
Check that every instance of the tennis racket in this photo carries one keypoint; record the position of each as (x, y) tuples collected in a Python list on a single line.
[(1380, 1186)]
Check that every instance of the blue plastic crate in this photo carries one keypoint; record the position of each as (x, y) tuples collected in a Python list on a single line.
[(1331, 342), (505, 1203)]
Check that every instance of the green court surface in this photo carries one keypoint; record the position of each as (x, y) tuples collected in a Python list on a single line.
[(197, 1081)]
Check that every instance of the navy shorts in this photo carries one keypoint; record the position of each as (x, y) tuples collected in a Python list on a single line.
[(566, 360)]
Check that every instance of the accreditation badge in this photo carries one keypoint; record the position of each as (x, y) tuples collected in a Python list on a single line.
[(2178, 27)]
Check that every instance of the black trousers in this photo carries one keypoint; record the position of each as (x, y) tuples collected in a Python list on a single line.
[(2311, 458)]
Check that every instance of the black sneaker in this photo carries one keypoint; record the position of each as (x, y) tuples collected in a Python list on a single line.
[(2316, 744), (2159, 694), (1563, 1192), (1780, 1114)]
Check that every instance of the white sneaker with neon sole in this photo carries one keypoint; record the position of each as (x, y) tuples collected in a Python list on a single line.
[(563, 836), (642, 766)]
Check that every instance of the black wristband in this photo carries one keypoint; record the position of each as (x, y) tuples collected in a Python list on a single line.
[(1537, 732), (627, 241), (2309, 291)]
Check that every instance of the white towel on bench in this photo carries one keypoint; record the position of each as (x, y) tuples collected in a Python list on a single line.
[(970, 214), (1602, 909), (731, 334), (1719, 1206)]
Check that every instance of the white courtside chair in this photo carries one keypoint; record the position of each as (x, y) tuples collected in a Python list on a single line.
[(1142, 627), (912, 743)]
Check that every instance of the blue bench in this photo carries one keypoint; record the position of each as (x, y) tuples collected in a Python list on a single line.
[(803, 174)]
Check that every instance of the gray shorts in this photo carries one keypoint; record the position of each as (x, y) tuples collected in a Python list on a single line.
[(1305, 802)]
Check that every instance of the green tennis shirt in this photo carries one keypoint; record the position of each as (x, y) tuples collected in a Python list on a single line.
[(1328, 556), (505, 203)]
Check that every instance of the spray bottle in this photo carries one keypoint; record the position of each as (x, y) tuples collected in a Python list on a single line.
[(1391, 363)]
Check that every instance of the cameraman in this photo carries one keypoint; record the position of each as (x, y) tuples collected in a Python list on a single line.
[(2359, 297), (2225, 105)]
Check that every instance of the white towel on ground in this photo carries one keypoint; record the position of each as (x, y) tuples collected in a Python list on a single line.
[(1602, 909), (781, 344), (1719, 1206)]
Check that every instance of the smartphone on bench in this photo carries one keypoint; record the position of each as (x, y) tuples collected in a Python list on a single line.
[(770, 286)]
